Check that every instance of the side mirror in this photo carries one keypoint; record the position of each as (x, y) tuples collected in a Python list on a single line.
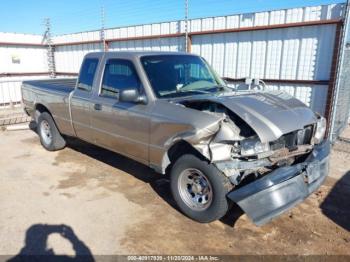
[(131, 95)]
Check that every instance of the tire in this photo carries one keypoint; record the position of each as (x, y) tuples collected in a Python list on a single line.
[(203, 200), (50, 137)]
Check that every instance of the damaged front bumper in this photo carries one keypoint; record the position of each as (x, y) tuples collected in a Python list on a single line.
[(282, 189)]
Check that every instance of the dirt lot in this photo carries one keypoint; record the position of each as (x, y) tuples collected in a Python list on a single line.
[(88, 200)]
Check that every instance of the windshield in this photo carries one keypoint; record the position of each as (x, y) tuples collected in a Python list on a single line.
[(180, 75)]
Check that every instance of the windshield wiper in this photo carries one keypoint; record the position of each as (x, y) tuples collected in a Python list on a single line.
[(217, 88), (190, 92), (196, 91)]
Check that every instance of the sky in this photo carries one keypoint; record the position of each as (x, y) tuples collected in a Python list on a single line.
[(69, 16)]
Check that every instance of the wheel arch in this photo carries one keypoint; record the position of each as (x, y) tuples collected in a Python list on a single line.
[(40, 108), (175, 151)]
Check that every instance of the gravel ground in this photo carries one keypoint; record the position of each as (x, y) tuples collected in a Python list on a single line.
[(86, 200)]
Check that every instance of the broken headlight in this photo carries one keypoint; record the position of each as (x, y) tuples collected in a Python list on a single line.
[(252, 147), (321, 127)]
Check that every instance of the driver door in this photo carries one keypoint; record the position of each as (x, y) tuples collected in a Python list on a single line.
[(122, 127)]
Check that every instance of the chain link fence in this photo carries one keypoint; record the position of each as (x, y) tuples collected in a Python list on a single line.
[(341, 120), (342, 104)]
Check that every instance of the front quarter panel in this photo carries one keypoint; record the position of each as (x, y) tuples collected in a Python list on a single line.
[(171, 123)]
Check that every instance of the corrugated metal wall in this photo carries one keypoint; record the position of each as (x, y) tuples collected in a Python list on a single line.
[(342, 103), (290, 53), (162, 44), (302, 53), (294, 15), (68, 58), (339, 102), (299, 53)]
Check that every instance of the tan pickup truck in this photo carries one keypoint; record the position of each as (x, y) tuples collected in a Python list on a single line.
[(263, 150)]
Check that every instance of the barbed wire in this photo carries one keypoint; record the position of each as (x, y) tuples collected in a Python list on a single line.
[(119, 14), (87, 19)]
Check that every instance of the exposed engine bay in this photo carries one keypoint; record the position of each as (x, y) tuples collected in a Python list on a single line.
[(237, 150)]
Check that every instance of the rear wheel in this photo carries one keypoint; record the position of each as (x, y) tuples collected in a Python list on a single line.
[(199, 189), (50, 137)]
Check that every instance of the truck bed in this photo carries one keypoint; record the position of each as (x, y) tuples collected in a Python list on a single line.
[(52, 94), (65, 85)]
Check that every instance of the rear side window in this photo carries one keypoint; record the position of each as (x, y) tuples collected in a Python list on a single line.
[(118, 75), (87, 74)]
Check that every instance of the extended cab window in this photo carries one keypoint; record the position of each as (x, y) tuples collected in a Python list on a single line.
[(87, 74), (119, 74)]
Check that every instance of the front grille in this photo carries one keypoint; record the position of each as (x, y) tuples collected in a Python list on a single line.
[(294, 139), (304, 136)]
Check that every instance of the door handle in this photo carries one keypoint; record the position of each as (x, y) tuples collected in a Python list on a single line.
[(98, 107)]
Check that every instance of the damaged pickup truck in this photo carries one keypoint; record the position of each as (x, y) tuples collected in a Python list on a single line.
[(265, 151)]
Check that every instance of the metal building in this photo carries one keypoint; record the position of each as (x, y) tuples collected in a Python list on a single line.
[(295, 50)]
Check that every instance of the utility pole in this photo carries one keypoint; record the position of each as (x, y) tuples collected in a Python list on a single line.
[(50, 48), (102, 32), (186, 27)]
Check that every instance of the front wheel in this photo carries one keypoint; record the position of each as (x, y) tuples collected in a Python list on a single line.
[(199, 189), (50, 137)]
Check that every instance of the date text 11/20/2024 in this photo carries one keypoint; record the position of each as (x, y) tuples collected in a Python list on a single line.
[(173, 258)]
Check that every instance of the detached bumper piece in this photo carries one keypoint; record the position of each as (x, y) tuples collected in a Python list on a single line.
[(282, 189)]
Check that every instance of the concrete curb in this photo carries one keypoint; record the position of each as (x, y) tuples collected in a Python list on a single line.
[(17, 127), (12, 120)]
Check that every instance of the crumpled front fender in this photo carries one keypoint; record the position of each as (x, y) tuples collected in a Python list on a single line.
[(209, 141)]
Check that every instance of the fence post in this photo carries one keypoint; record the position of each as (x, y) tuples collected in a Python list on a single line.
[(50, 49), (340, 45)]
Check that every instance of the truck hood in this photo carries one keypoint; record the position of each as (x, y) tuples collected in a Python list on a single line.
[(269, 114)]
